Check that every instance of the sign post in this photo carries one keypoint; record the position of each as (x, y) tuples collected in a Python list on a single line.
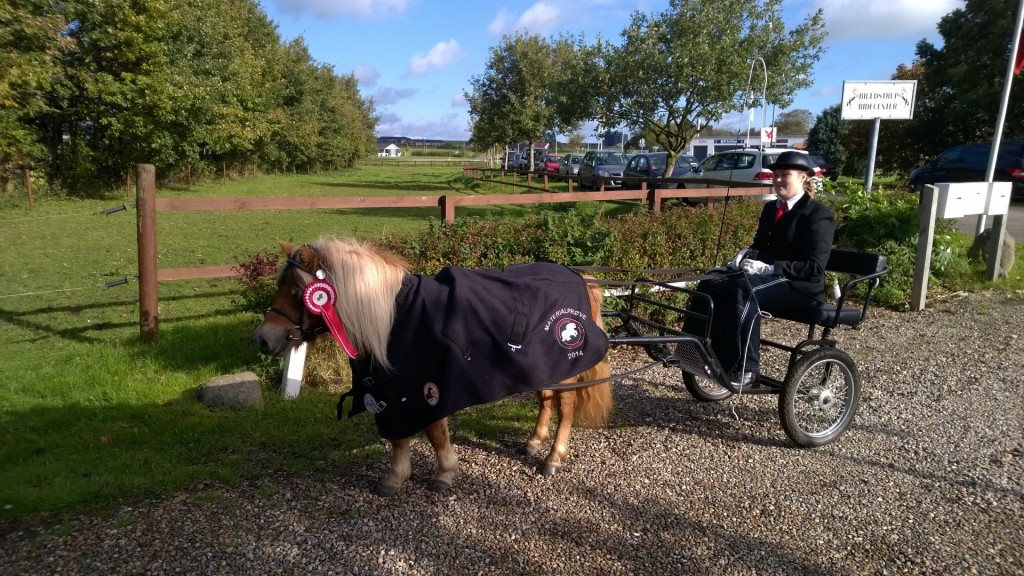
[(877, 100)]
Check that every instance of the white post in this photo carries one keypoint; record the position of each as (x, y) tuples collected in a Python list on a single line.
[(872, 149), (926, 235), (995, 246), (294, 363)]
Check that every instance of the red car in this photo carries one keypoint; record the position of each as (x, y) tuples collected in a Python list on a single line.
[(550, 163), (826, 167)]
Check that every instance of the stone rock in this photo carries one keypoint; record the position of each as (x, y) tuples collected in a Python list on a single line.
[(979, 251), (240, 390)]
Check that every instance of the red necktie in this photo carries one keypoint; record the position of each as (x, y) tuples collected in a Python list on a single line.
[(783, 206)]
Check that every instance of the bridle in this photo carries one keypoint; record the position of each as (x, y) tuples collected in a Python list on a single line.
[(299, 332)]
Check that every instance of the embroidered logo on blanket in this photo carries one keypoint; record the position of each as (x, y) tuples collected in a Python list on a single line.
[(431, 394), (569, 333)]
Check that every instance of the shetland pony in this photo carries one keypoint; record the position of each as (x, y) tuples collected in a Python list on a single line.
[(358, 307)]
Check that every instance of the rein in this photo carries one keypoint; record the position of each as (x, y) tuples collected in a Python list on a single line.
[(576, 385), (304, 334)]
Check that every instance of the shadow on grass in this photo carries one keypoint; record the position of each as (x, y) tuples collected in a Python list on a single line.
[(22, 319)]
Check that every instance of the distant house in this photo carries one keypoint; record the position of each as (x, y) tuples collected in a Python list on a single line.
[(390, 151)]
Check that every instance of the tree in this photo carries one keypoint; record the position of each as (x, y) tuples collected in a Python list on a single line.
[(530, 86), (31, 44), (961, 83), (794, 122), (826, 137), (691, 63)]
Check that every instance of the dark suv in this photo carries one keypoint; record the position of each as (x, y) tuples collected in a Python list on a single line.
[(969, 163)]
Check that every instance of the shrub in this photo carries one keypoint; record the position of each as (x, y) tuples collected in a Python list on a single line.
[(258, 279)]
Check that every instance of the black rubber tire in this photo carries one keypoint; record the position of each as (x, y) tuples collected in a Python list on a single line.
[(704, 389), (819, 397)]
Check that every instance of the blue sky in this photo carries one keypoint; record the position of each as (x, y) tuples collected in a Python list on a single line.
[(415, 57)]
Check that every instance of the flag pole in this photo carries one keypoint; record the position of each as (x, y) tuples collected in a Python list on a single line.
[(995, 246)]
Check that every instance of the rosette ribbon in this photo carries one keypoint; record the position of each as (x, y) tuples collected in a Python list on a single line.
[(319, 297)]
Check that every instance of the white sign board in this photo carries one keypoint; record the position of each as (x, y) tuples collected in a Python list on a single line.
[(768, 134), (969, 198), (887, 100)]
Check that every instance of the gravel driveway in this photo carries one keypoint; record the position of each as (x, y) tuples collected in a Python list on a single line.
[(928, 480)]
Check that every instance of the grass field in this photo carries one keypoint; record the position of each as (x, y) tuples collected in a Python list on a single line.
[(90, 415)]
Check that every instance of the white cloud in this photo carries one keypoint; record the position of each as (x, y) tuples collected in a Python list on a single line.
[(459, 101), (364, 9), (540, 18), (447, 127), (366, 76), (500, 24), (859, 19), (440, 56), (387, 96)]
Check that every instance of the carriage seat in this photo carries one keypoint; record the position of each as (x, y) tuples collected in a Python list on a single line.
[(858, 267)]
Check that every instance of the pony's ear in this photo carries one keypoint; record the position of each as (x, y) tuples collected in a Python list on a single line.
[(287, 247), (307, 258)]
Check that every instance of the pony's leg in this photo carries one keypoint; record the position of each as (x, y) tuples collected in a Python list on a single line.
[(447, 461), (560, 447), (546, 400), (401, 468)]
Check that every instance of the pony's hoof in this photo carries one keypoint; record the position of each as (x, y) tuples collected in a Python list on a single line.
[(531, 451), (439, 485), (549, 470), (386, 490)]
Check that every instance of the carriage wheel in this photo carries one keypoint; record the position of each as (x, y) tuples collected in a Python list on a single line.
[(704, 389), (819, 397)]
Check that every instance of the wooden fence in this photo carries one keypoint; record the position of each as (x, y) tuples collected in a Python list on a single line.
[(147, 205)]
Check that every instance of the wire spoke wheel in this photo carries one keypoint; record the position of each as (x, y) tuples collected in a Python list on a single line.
[(704, 389), (820, 397)]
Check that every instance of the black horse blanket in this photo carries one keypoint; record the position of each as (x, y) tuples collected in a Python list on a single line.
[(468, 337)]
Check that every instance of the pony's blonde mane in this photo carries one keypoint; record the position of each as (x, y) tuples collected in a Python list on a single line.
[(367, 280)]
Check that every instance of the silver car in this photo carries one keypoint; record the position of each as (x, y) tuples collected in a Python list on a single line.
[(570, 164), (743, 167)]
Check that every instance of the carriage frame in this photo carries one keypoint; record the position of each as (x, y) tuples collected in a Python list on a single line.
[(819, 393)]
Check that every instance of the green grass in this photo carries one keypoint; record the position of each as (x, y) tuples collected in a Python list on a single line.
[(90, 415)]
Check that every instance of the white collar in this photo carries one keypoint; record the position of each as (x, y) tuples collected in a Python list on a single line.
[(792, 201)]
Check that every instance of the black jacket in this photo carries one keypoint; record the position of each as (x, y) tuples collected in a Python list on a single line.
[(798, 244)]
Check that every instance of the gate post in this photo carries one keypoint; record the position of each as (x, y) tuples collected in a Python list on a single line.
[(145, 204)]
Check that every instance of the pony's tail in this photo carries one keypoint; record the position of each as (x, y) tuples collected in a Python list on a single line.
[(594, 403)]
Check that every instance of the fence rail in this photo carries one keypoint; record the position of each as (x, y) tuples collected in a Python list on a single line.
[(148, 205)]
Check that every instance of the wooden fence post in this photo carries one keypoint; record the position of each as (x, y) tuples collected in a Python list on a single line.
[(145, 205), (26, 175), (447, 205)]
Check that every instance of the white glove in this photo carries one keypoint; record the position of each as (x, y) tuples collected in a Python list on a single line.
[(734, 264), (755, 267)]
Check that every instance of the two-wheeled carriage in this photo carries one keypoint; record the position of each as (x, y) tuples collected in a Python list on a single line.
[(820, 389)]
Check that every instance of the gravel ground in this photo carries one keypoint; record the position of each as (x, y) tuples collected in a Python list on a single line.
[(928, 480)]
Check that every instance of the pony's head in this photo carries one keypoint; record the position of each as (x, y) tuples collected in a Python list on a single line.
[(364, 281)]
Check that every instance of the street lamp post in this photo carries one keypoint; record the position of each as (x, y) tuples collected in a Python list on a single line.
[(764, 92)]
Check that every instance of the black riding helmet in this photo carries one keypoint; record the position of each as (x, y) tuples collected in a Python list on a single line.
[(794, 160)]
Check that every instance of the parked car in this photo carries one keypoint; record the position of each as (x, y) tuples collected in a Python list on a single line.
[(603, 164), (748, 166), (570, 164), (526, 162), (969, 163), (513, 161), (652, 165), (828, 170), (550, 163)]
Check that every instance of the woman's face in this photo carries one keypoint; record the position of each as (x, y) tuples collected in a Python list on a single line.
[(787, 182)]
